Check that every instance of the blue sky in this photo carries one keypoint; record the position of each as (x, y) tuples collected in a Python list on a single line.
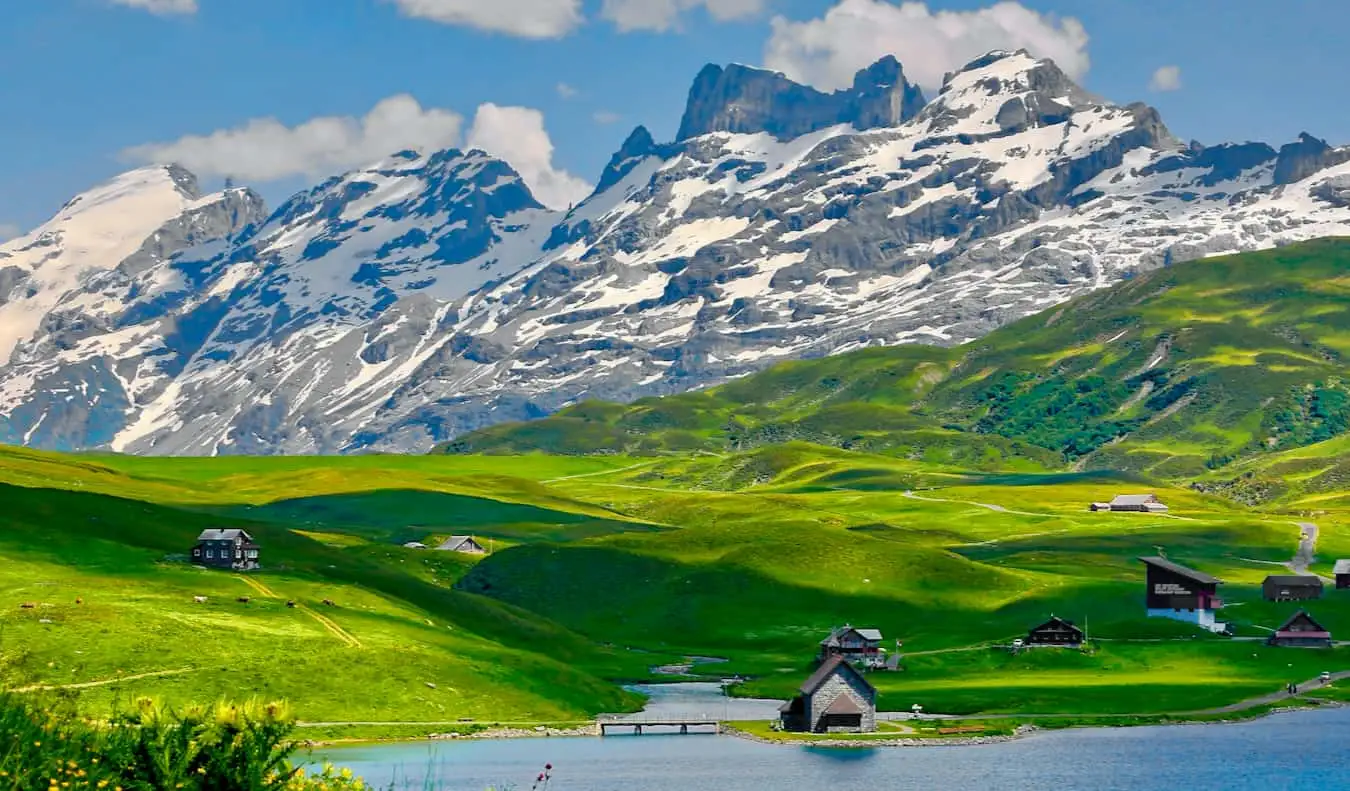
[(94, 87)]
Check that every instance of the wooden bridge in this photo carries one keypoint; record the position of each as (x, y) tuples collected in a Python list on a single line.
[(639, 722)]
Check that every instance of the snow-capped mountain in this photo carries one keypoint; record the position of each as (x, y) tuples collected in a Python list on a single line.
[(403, 304)]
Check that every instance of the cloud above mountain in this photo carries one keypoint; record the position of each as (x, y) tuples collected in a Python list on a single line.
[(662, 15), (1166, 78), (160, 6), (265, 149), (523, 18), (826, 52)]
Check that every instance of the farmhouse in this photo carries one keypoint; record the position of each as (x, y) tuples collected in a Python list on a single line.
[(854, 645), (1288, 587), (835, 699), (1301, 631), (1182, 594), (465, 544), (1342, 572), (1146, 503), (226, 548), (1056, 631)]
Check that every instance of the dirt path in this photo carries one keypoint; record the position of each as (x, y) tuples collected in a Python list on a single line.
[(1307, 543), (1000, 509), (105, 682), (599, 472), (327, 623)]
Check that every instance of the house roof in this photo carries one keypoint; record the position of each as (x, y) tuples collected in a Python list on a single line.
[(1302, 617), (838, 634), (829, 667), (1134, 499), (223, 534), (1057, 622), (1177, 568), (1342, 567), (844, 704), (1297, 580), (455, 542)]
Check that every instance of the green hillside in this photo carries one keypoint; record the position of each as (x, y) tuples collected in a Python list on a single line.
[(1174, 374), (937, 494)]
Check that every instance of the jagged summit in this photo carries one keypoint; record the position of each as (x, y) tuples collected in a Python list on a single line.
[(429, 294), (743, 99)]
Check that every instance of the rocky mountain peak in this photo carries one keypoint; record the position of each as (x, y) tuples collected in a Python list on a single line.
[(1304, 157), (743, 99), (635, 148)]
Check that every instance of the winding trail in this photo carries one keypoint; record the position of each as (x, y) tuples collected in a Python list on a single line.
[(104, 682), (327, 623), (1307, 543), (600, 472)]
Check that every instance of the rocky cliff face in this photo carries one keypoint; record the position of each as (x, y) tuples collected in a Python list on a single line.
[(744, 100), (400, 305)]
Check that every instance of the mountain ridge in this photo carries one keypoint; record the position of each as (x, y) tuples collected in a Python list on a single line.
[(403, 304)]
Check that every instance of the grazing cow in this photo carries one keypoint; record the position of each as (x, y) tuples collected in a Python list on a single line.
[(329, 602), (290, 604), (243, 600), (79, 600), (199, 599), (28, 605)]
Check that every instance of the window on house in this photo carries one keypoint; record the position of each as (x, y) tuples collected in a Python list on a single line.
[(210, 553)]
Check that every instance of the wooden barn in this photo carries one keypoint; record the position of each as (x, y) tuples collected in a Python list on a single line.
[(1146, 503), (1342, 573), (1056, 632), (1182, 594), (835, 699), (1301, 631), (855, 645), (1291, 587), (465, 544), (226, 548)]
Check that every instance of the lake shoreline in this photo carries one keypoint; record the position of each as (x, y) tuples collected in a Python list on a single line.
[(1022, 731)]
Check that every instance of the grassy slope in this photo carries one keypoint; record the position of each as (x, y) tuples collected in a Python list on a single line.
[(1172, 374)]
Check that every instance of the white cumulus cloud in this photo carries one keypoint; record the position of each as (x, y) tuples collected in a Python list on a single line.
[(161, 6), (566, 91), (606, 117), (1166, 78), (524, 18), (663, 15), (264, 149), (517, 135), (828, 51)]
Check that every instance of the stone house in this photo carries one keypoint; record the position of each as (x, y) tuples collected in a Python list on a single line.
[(835, 699)]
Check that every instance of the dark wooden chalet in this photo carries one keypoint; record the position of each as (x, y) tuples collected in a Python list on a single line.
[(855, 645), (1342, 572), (1291, 587), (1301, 631), (1056, 631), (465, 544), (226, 548), (835, 699), (1180, 593)]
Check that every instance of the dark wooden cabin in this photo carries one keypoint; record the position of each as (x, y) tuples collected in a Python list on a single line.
[(226, 548), (835, 699), (855, 645), (1301, 631), (1291, 587), (1056, 631), (1342, 572), (1180, 593)]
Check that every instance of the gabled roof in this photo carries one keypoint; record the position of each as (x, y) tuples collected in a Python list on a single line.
[(838, 634), (1134, 499), (829, 667), (1297, 580), (455, 542), (1306, 626), (1342, 567), (223, 534), (1059, 624), (1177, 568)]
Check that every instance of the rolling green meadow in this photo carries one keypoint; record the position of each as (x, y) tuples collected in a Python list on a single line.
[(939, 495)]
